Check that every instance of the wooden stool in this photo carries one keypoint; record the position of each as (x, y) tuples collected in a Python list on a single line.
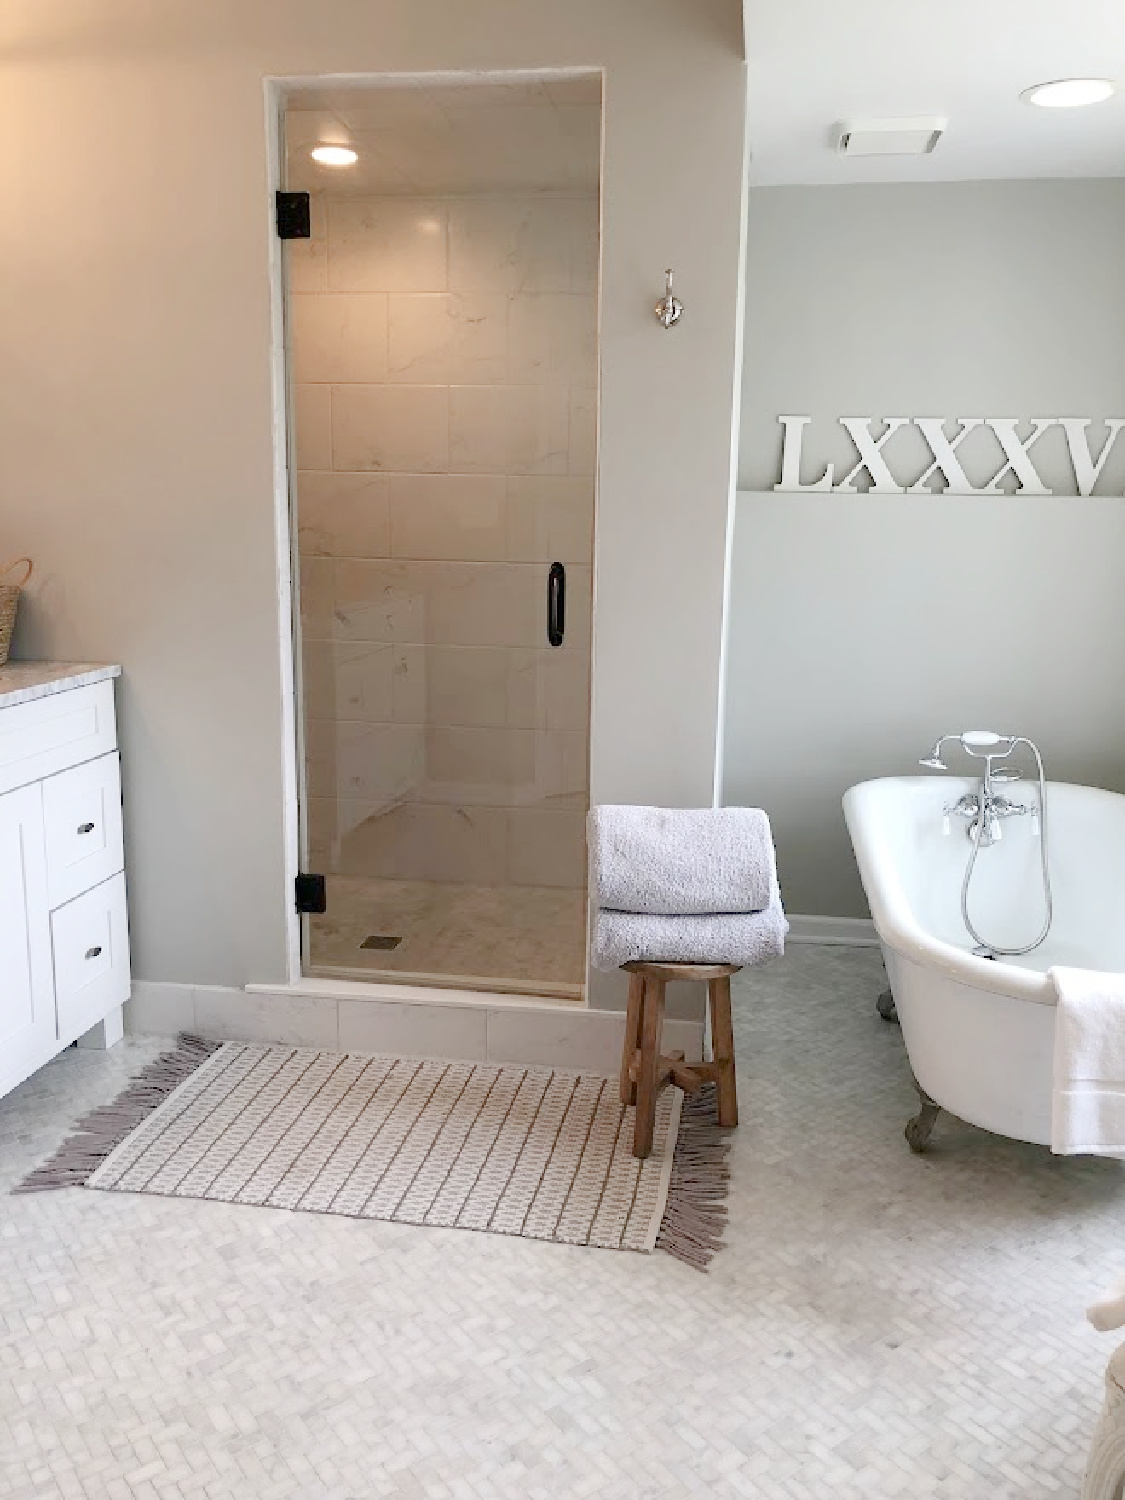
[(645, 1071)]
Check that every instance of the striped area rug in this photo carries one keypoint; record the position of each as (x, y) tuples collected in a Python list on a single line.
[(519, 1151)]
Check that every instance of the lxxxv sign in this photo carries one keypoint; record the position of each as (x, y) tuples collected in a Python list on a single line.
[(1013, 455)]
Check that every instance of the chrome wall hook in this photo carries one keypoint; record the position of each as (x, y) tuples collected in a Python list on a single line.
[(669, 309)]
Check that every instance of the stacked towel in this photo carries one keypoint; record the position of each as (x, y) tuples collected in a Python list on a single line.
[(694, 885), (681, 861), (621, 937), (1088, 1100)]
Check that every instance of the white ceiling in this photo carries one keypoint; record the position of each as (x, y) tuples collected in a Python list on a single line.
[(539, 135), (814, 62)]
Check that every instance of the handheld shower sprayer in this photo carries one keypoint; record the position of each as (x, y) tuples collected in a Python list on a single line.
[(985, 809), (934, 760)]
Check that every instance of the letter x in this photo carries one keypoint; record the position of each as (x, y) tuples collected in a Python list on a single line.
[(883, 481), (945, 455), (1016, 455)]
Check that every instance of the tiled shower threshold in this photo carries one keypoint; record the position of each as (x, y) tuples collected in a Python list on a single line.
[(394, 990), (487, 985)]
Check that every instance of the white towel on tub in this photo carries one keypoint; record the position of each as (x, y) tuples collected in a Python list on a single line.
[(681, 861), (1088, 1098)]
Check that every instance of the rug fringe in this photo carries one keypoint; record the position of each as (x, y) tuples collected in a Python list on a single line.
[(696, 1213), (104, 1128)]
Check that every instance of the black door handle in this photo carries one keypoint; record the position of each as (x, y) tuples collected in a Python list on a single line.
[(556, 604)]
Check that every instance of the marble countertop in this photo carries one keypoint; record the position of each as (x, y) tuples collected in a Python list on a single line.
[(20, 681)]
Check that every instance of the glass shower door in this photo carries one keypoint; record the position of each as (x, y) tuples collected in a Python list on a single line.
[(444, 371)]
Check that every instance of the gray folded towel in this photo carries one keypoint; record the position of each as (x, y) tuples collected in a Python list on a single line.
[(621, 937), (680, 861)]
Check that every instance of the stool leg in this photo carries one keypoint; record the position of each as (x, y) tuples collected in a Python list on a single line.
[(722, 1040), (632, 1037), (652, 1023)]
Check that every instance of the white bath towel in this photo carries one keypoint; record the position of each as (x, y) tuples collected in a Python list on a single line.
[(621, 937), (681, 861), (1088, 1100)]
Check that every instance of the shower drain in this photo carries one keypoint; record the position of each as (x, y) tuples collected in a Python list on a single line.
[(378, 941)]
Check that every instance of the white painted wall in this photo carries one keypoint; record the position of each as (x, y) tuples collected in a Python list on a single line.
[(135, 405), (862, 627)]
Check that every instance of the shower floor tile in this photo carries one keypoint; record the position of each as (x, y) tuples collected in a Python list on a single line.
[(520, 938)]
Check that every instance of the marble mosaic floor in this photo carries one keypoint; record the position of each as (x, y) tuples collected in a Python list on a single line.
[(520, 938), (880, 1324)]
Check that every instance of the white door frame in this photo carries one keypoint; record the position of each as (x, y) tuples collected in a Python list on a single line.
[(294, 829)]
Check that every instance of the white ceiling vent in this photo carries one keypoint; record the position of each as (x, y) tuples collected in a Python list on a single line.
[(914, 136)]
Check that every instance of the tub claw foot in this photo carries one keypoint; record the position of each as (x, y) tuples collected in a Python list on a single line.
[(920, 1126), (885, 1005)]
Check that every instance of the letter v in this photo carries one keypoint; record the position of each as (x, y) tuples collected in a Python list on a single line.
[(1086, 471)]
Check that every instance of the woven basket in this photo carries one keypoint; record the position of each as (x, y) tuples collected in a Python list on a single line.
[(9, 599)]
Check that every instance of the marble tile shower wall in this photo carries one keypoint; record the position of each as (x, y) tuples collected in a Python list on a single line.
[(444, 357)]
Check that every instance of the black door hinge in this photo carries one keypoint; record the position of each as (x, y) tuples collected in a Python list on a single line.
[(312, 894), (293, 221)]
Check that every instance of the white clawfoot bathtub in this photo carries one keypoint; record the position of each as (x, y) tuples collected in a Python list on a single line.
[(980, 1033)]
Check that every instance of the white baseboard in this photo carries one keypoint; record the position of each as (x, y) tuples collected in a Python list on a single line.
[(572, 1037), (848, 932)]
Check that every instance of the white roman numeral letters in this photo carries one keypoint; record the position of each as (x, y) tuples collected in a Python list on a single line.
[(1015, 452)]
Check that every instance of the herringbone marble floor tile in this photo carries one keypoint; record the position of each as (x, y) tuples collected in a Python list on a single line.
[(880, 1325)]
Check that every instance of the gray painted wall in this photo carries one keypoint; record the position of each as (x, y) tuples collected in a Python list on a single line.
[(136, 400), (862, 627)]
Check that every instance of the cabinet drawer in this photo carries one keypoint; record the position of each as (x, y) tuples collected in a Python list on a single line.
[(90, 942), (82, 819), (49, 734)]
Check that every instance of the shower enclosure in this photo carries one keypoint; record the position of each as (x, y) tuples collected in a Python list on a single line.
[(442, 332)]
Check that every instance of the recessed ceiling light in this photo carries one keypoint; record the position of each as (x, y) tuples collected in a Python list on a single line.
[(1068, 93), (334, 156)]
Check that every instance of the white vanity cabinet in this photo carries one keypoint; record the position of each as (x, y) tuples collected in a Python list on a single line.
[(64, 938)]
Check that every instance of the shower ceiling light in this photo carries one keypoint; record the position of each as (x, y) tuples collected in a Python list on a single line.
[(335, 156), (1068, 93)]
